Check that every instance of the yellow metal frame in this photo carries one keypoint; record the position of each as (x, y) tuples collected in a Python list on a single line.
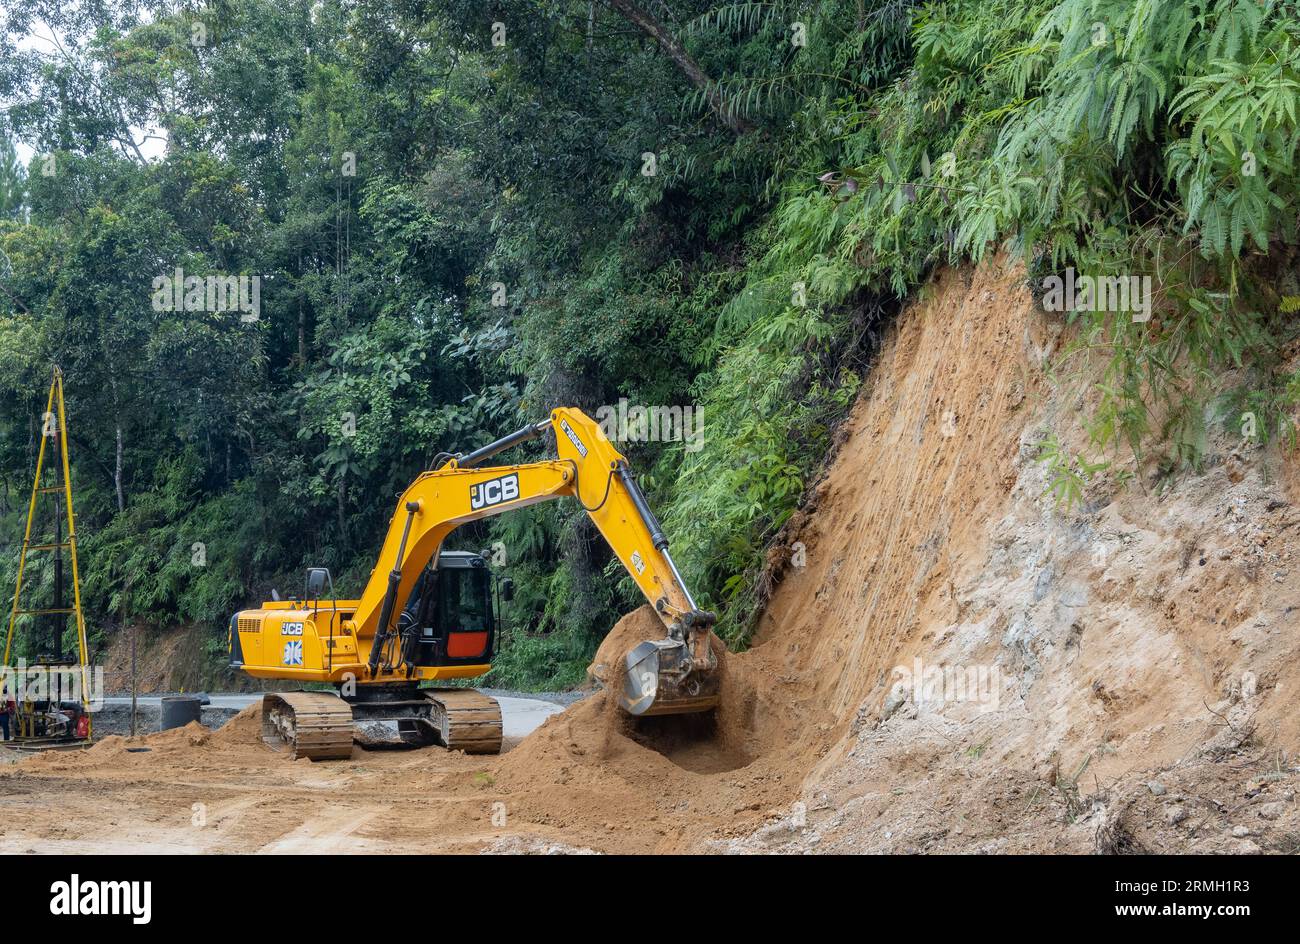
[(54, 400)]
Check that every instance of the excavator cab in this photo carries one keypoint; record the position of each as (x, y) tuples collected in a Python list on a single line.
[(454, 610)]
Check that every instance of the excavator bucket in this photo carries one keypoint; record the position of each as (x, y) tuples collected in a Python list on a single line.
[(659, 679)]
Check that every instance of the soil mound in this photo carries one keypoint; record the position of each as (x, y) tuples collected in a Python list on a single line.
[(243, 729)]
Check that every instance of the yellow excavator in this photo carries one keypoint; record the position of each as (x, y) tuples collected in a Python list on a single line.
[(427, 615)]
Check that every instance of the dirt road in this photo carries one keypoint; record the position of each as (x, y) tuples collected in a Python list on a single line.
[(589, 778), (192, 790)]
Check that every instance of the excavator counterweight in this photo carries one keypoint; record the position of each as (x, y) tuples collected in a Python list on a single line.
[(429, 615)]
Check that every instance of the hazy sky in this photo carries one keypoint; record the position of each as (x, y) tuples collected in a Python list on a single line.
[(40, 38)]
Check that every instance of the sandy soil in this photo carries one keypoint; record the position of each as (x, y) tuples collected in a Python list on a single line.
[(589, 778), (1133, 666)]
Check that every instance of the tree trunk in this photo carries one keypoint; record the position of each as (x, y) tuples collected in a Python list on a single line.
[(682, 59), (117, 471), (302, 320), (342, 506), (117, 423)]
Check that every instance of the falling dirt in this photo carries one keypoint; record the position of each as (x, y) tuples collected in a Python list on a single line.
[(949, 661)]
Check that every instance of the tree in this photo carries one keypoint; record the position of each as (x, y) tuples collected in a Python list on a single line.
[(13, 181)]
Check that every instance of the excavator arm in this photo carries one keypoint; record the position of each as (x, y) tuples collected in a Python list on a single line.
[(676, 674)]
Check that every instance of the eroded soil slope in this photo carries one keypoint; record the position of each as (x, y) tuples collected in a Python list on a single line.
[(1009, 675)]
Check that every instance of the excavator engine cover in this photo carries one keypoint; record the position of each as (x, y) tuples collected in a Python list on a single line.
[(659, 679)]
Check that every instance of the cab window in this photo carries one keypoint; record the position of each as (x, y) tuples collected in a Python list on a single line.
[(464, 603)]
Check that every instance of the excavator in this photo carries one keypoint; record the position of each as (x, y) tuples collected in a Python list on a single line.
[(376, 653)]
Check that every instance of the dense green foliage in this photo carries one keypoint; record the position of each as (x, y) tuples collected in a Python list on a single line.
[(501, 248)]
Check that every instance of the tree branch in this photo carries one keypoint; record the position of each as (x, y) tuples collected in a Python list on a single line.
[(673, 47)]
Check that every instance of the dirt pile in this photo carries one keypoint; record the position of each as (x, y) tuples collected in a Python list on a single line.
[(672, 779), (244, 728), (190, 735), (633, 629), (721, 740)]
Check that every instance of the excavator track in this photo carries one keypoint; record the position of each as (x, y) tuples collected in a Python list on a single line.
[(465, 719), (316, 725)]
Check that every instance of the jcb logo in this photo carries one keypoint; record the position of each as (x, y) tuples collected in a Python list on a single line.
[(494, 492)]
